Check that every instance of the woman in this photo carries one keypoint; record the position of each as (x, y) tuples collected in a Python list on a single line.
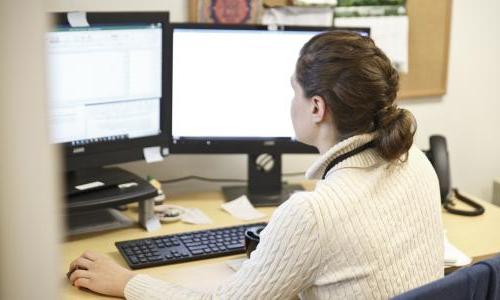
[(371, 228)]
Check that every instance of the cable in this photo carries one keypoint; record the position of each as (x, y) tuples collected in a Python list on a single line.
[(202, 179), (293, 174), (478, 208)]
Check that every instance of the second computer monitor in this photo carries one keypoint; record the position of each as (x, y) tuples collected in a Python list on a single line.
[(231, 93), (107, 86), (231, 89)]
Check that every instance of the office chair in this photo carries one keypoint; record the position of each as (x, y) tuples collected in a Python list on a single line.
[(477, 282)]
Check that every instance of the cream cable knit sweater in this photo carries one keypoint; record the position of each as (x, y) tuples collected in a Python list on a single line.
[(370, 230)]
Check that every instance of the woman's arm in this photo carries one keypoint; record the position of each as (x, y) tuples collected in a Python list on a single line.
[(284, 263)]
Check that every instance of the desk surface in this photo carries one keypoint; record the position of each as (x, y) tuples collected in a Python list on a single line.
[(477, 237)]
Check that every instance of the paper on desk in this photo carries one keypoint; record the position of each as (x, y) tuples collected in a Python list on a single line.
[(152, 154), (235, 264), (195, 216), (390, 33), (152, 224), (242, 209), (288, 15), (201, 278), (453, 256)]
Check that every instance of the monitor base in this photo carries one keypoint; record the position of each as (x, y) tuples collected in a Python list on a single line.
[(268, 198)]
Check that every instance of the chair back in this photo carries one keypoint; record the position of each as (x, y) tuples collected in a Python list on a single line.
[(477, 282)]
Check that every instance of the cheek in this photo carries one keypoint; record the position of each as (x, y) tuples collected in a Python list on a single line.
[(294, 112), (298, 119)]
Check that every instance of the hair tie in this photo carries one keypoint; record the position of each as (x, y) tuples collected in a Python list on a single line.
[(386, 115)]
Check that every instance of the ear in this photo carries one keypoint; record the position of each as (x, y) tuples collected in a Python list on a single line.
[(319, 109)]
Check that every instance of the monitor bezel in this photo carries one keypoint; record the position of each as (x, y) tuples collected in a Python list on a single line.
[(100, 154), (194, 145)]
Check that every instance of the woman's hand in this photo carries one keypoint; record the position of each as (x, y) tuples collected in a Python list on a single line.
[(100, 274)]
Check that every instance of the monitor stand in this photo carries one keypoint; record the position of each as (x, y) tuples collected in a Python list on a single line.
[(91, 194), (105, 187), (265, 187)]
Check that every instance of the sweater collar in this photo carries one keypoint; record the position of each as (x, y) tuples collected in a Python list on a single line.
[(364, 159)]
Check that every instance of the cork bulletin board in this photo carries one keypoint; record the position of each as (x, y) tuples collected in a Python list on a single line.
[(429, 38), (428, 48)]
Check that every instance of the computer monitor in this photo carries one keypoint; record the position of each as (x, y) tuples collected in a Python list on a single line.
[(107, 85), (231, 93)]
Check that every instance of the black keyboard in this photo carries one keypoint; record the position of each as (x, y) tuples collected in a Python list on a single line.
[(183, 247)]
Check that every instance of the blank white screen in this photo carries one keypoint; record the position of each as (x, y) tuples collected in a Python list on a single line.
[(233, 83)]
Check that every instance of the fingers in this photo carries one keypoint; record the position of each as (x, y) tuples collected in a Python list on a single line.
[(80, 263), (78, 274), (90, 255), (87, 255), (82, 282)]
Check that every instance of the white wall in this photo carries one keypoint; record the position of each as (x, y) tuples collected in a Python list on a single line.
[(468, 115)]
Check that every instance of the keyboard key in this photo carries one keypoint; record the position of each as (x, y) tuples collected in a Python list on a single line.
[(197, 251), (133, 259), (192, 244), (233, 246)]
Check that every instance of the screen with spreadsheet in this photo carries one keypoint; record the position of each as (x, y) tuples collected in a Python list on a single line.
[(105, 82)]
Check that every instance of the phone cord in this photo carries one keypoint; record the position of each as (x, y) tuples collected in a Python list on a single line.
[(478, 208)]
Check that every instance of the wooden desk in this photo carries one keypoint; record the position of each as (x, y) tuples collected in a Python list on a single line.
[(477, 237)]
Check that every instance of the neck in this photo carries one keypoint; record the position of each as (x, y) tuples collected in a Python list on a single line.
[(324, 146), (327, 138)]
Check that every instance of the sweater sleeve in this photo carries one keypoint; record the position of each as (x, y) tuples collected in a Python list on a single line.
[(284, 263)]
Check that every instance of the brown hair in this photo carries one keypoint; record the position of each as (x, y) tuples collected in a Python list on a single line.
[(359, 85)]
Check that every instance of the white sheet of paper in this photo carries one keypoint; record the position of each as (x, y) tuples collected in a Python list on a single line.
[(152, 154), (195, 216), (289, 15), (152, 224), (78, 19), (242, 209), (390, 33), (203, 278), (165, 151), (453, 256), (235, 264)]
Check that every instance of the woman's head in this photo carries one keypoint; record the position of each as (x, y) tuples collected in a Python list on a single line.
[(358, 85)]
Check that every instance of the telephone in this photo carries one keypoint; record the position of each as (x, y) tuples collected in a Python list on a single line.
[(438, 156)]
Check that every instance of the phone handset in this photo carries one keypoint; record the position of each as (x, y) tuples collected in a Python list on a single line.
[(438, 156)]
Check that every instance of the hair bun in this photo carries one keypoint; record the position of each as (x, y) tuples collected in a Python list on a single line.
[(396, 128), (387, 115)]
